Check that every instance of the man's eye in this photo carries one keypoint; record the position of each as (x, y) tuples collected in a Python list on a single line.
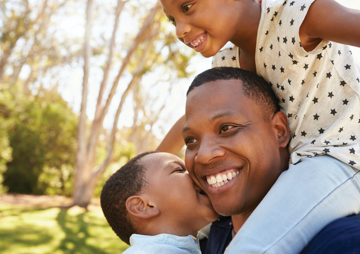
[(186, 7), (225, 128)]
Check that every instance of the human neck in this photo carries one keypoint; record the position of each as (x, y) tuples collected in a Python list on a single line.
[(239, 220)]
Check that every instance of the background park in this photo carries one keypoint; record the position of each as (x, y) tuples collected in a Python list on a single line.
[(84, 86)]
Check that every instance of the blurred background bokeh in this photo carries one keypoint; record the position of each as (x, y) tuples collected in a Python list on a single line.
[(84, 86)]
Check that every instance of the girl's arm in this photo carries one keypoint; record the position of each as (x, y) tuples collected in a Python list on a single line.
[(329, 20), (173, 141)]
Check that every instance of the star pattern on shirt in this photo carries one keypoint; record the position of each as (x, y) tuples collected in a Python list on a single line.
[(328, 75), (330, 95), (315, 100), (333, 112), (306, 66), (342, 83), (303, 7), (345, 102), (303, 133), (352, 163), (316, 117), (319, 56), (292, 22), (326, 150), (352, 137), (233, 58), (352, 150), (341, 129), (291, 98), (321, 131), (347, 67)]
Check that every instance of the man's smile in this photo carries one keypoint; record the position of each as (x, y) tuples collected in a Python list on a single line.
[(222, 178)]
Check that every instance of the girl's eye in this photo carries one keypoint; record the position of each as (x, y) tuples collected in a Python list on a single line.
[(190, 141), (186, 7), (171, 19), (225, 128)]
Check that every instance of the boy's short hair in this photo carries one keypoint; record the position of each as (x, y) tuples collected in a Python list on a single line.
[(124, 183), (254, 87)]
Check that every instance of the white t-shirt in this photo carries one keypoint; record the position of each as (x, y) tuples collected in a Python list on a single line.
[(318, 90)]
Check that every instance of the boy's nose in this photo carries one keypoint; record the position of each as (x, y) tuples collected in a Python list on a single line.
[(181, 30)]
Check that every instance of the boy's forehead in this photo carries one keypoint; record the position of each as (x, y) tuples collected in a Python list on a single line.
[(158, 161)]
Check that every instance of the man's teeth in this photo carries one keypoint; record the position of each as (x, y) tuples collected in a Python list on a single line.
[(197, 41), (221, 178)]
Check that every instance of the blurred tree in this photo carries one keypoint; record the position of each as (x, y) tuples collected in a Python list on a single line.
[(143, 55), (42, 134)]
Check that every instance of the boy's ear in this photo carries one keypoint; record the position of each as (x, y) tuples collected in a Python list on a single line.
[(281, 126), (141, 207)]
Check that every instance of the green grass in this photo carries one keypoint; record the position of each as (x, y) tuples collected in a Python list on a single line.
[(56, 231)]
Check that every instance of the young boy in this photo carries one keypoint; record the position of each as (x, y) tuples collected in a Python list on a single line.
[(295, 46), (152, 204)]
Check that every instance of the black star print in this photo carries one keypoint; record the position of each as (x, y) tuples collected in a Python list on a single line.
[(345, 102), (291, 56), (328, 75), (333, 112), (319, 56), (347, 67), (282, 69), (268, 10), (223, 58), (300, 44), (295, 62), (282, 88), (267, 32), (273, 67), (277, 86), (342, 83), (233, 58), (341, 129), (280, 23), (302, 7), (279, 53), (289, 81), (306, 66), (292, 22), (271, 46), (261, 49), (294, 136), (316, 117), (292, 3), (326, 150), (332, 61), (291, 98), (313, 142), (350, 51), (315, 100), (272, 19), (278, 38), (284, 3), (344, 144), (289, 115), (285, 40), (303, 82), (352, 163), (327, 142), (324, 47), (339, 52), (265, 65), (275, 13), (330, 94), (352, 150), (283, 100), (293, 40), (351, 117), (358, 80), (352, 137), (315, 73), (330, 44), (230, 48), (303, 133)]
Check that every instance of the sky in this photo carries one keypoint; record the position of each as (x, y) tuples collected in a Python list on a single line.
[(175, 106)]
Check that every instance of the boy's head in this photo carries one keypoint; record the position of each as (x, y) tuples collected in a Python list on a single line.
[(154, 194), (207, 25), (236, 138)]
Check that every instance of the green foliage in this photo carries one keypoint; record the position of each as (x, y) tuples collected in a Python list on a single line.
[(56, 231), (42, 135)]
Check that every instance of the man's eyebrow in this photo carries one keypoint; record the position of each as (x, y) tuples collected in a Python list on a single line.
[(215, 117)]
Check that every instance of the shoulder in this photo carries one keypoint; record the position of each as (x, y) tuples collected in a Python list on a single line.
[(227, 57), (340, 236)]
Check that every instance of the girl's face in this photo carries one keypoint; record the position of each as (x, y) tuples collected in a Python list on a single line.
[(204, 25)]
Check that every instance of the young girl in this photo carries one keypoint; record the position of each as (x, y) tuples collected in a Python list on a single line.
[(298, 47)]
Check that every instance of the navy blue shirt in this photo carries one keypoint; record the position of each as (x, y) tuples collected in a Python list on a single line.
[(339, 237)]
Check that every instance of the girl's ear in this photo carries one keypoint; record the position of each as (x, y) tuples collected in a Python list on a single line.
[(281, 126), (141, 207)]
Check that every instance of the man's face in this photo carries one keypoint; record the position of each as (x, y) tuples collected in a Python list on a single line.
[(175, 194), (232, 152), (204, 25)]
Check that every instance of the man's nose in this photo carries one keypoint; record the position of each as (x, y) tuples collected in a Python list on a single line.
[(182, 28), (209, 149)]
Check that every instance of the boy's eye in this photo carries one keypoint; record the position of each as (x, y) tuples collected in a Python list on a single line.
[(225, 128), (186, 7)]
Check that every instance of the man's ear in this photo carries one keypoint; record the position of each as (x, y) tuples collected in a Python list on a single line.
[(282, 129), (141, 207)]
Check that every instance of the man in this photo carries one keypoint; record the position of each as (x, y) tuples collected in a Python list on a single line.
[(236, 144)]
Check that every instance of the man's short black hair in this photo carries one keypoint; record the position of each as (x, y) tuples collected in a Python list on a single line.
[(254, 87), (124, 183)]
